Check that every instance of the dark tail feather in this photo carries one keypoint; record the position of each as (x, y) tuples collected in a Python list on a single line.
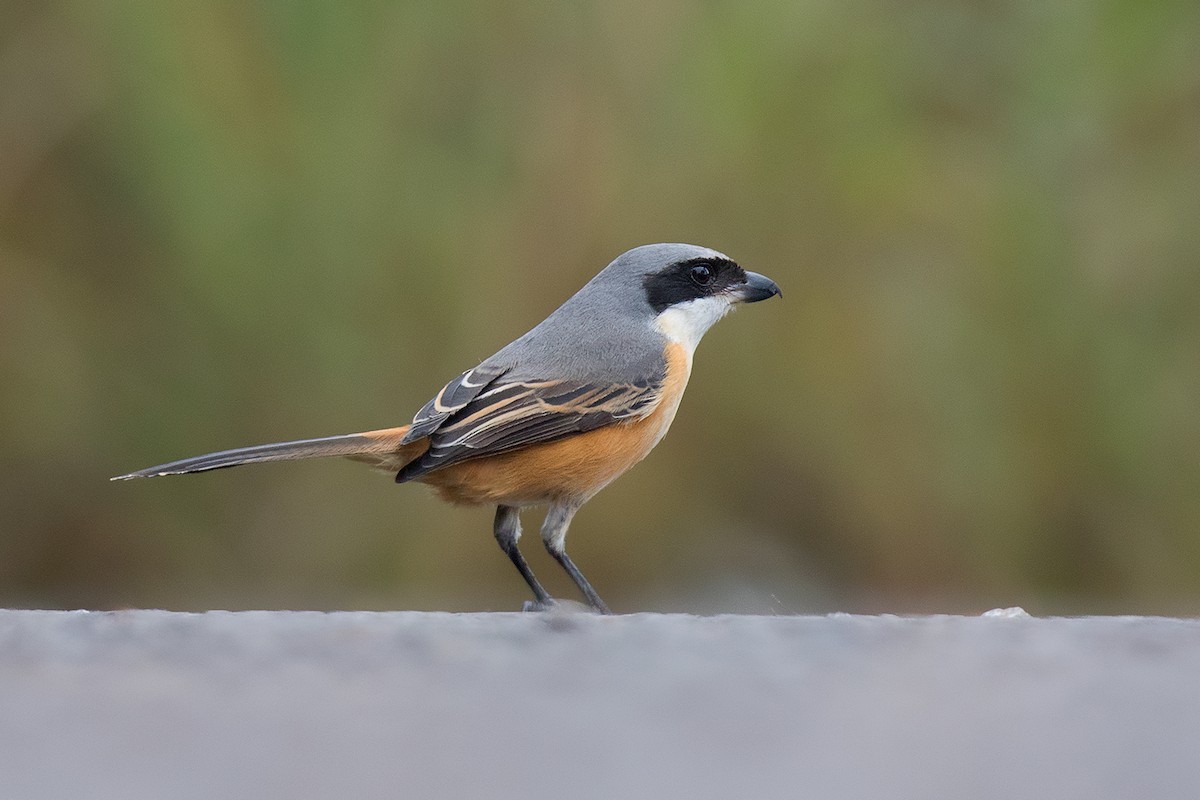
[(380, 449)]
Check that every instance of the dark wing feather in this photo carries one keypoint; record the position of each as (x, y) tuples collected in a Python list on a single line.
[(510, 415), (452, 398)]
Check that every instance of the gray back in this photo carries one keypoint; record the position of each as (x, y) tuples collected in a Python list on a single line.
[(608, 324)]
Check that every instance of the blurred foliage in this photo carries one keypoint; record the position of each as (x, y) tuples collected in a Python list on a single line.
[(225, 223)]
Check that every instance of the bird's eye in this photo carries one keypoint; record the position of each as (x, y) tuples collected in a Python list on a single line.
[(702, 274)]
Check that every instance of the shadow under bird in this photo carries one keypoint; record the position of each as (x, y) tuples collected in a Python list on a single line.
[(559, 413)]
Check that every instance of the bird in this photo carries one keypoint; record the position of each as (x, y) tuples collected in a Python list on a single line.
[(559, 413)]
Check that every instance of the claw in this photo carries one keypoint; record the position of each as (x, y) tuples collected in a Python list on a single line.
[(538, 605)]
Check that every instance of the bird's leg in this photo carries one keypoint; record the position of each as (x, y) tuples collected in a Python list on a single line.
[(508, 530), (554, 535)]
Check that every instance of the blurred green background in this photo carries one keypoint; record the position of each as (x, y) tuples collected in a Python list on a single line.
[(228, 223)]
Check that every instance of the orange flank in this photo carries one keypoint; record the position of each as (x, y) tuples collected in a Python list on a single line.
[(571, 469)]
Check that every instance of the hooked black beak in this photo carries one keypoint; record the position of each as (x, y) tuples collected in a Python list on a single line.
[(757, 287)]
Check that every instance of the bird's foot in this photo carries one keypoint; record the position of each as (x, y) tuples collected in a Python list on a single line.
[(549, 604), (558, 608)]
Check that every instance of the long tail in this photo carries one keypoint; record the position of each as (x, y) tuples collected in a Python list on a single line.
[(380, 449)]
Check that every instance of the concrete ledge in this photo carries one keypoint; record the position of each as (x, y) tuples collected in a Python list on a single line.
[(153, 704)]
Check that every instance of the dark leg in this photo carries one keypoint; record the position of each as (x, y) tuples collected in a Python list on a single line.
[(554, 534), (508, 530)]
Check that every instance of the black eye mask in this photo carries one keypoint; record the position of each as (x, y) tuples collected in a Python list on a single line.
[(677, 283)]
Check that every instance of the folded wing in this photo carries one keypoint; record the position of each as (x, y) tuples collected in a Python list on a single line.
[(453, 397), (505, 415)]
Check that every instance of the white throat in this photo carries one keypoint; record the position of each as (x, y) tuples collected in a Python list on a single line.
[(686, 323)]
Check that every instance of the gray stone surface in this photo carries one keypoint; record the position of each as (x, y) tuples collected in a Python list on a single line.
[(151, 704)]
